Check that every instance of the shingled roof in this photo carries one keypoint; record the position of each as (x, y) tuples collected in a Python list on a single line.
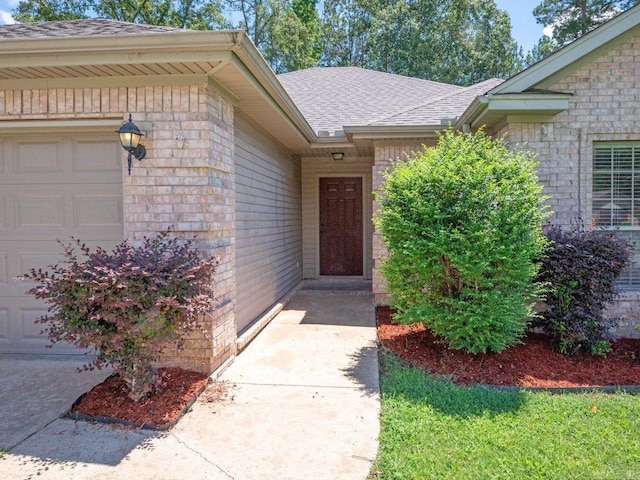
[(86, 27), (333, 97), (437, 110)]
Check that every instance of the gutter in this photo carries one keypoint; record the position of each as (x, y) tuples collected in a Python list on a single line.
[(474, 110), (180, 41), (488, 109), (377, 132)]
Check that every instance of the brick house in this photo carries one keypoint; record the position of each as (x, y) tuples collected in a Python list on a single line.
[(273, 174)]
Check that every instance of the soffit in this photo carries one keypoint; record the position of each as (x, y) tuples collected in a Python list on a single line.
[(227, 57)]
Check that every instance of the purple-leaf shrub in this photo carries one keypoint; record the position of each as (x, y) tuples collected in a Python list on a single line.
[(128, 304), (581, 268)]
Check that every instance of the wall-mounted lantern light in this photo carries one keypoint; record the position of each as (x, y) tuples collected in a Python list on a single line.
[(337, 156), (130, 136), (180, 139)]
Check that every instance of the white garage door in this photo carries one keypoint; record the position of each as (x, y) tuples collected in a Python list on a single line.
[(51, 186)]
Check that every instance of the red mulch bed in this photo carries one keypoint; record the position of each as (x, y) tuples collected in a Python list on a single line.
[(533, 364), (110, 399)]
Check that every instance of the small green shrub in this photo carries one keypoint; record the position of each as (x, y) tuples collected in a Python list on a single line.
[(580, 269), (462, 224), (128, 304)]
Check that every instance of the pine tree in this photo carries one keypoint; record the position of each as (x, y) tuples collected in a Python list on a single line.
[(570, 19)]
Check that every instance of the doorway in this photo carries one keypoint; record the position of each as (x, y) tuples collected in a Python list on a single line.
[(341, 226)]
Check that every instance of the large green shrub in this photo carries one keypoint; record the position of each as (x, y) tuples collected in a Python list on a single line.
[(581, 268), (462, 224), (128, 304)]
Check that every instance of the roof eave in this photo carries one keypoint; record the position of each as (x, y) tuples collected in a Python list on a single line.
[(229, 47), (181, 40), (490, 110), (257, 65), (376, 132)]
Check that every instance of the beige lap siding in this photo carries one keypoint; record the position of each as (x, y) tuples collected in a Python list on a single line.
[(268, 221), (189, 189)]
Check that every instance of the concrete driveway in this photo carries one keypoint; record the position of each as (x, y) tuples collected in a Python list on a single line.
[(302, 403)]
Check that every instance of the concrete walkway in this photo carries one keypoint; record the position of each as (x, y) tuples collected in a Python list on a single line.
[(302, 403)]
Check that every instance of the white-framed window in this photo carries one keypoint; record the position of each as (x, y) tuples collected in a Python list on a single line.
[(616, 198)]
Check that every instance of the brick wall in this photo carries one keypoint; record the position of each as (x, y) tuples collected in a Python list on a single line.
[(603, 108), (189, 189), (384, 154)]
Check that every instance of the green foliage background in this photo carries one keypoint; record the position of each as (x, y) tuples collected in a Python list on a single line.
[(462, 223), (453, 41)]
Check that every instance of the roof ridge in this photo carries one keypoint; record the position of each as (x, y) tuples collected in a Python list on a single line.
[(370, 71)]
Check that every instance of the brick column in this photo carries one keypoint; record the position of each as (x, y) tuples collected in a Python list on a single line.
[(385, 154), (191, 190)]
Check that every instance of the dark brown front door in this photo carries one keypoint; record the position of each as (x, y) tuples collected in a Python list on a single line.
[(341, 226)]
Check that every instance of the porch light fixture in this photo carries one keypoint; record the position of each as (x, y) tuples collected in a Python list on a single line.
[(337, 156), (130, 136)]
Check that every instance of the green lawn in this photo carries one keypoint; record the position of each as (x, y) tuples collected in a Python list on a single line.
[(433, 429)]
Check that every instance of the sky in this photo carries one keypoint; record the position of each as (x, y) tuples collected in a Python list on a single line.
[(524, 27)]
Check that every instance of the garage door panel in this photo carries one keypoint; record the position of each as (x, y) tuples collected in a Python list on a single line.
[(38, 156), (28, 336), (36, 260), (97, 211), (84, 211), (55, 161), (4, 326), (19, 332), (51, 188), (34, 210), (4, 270), (4, 205), (31, 331), (97, 156), (19, 258)]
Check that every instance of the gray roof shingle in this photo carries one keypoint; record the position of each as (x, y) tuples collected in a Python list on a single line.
[(333, 97), (86, 27), (436, 110)]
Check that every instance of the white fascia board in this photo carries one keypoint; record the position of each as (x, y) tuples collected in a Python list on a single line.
[(181, 41), (487, 109), (577, 53), (474, 110), (538, 102), (338, 141), (374, 132), (254, 62), (82, 58), (184, 46)]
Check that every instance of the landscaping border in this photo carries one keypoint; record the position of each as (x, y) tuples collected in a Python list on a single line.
[(118, 421), (630, 389)]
